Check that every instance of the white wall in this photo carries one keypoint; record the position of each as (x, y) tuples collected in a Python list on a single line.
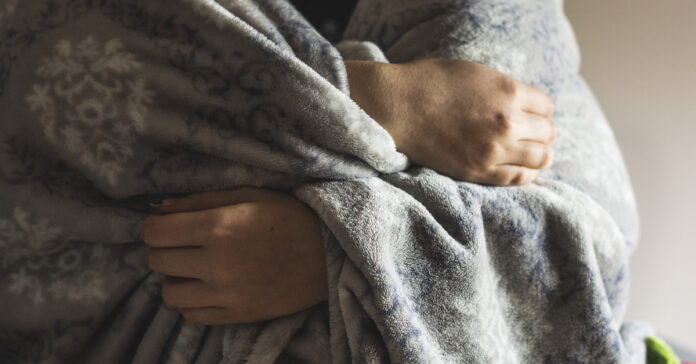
[(639, 56)]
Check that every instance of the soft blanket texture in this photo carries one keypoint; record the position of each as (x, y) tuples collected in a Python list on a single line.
[(108, 104)]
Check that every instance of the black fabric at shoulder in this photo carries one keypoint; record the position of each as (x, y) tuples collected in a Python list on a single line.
[(330, 18)]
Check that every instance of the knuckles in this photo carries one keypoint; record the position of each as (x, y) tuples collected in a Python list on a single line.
[(517, 179), (501, 123), (479, 164), (218, 223), (507, 85), (224, 223), (488, 154), (523, 177)]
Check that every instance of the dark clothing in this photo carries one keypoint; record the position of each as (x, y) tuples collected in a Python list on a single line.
[(330, 18)]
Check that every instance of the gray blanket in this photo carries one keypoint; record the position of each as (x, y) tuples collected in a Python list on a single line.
[(106, 105)]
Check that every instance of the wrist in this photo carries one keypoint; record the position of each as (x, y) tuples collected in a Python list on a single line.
[(371, 87)]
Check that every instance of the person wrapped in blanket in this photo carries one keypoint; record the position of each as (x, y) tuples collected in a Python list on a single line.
[(459, 118)]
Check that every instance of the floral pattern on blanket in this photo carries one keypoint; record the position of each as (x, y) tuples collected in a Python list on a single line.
[(8, 8), (422, 268), (78, 103), (45, 266)]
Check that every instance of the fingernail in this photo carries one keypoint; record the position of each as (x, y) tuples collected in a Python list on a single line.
[(168, 201)]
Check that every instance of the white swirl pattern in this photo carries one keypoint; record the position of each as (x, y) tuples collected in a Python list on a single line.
[(78, 103), (8, 8), (32, 248), (421, 268)]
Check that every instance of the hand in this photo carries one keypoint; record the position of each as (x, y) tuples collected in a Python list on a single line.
[(460, 118), (237, 256)]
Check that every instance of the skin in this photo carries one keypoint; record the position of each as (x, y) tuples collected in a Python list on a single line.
[(462, 119), (252, 254), (237, 256)]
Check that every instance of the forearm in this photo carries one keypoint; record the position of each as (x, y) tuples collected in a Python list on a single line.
[(367, 82)]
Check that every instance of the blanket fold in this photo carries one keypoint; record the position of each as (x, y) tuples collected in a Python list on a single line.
[(106, 105)]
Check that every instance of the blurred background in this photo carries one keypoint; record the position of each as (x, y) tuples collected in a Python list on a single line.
[(639, 57)]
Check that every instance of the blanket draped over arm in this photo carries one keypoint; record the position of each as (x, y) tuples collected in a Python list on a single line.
[(107, 105)]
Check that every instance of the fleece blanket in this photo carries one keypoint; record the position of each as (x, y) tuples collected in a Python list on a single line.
[(107, 105)]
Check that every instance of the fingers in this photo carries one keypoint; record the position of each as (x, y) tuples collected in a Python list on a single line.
[(533, 100), (211, 200), (530, 155), (510, 175), (180, 229), (201, 304), (179, 262), (197, 228), (534, 128)]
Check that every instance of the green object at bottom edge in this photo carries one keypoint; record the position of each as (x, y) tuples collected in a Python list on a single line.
[(659, 352)]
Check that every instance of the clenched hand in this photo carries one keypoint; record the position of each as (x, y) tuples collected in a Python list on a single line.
[(237, 256), (460, 118)]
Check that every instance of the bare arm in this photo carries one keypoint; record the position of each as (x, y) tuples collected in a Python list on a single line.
[(460, 118)]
